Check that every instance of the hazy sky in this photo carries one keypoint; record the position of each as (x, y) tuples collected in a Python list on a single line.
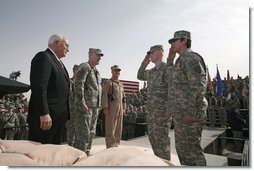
[(124, 30)]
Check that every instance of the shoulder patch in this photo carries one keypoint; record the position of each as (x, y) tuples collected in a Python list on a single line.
[(195, 66)]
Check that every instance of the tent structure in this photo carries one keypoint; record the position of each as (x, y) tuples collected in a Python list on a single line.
[(8, 86)]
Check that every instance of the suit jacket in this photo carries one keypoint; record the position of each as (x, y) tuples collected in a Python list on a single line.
[(50, 87)]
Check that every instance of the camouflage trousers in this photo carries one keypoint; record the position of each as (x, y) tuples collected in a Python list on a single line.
[(188, 143), (70, 127), (158, 127), (85, 126)]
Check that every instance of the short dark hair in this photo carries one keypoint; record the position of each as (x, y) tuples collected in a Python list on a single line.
[(188, 43)]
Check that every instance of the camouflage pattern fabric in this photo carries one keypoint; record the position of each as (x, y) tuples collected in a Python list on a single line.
[(158, 124), (23, 132), (13, 121), (132, 116), (87, 87), (186, 95)]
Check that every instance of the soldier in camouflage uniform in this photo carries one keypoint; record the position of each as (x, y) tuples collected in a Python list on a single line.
[(22, 117), (212, 108), (144, 115), (70, 123), (222, 110), (24, 124), (87, 98), (157, 123), (11, 121), (186, 98), (125, 124), (132, 116)]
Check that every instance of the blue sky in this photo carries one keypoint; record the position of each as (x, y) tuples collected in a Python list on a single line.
[(124, 30)]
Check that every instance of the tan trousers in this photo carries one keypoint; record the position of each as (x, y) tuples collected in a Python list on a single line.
[(113, 126)]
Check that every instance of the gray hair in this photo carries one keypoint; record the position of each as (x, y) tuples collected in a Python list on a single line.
[(55, 39)]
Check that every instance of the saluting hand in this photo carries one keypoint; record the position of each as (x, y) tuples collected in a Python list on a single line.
[(147, 59), (171, 54), (45, 122)]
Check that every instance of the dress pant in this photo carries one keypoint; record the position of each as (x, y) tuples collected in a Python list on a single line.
[(51, 136)]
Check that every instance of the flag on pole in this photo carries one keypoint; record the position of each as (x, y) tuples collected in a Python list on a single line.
[(219, 84), (210, 84)]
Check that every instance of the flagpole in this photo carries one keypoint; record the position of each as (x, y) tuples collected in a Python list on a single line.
[(209, 82)]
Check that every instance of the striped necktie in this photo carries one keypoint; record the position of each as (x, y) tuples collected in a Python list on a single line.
[(61, 63)]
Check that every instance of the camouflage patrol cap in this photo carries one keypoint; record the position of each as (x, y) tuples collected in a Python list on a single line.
[(97, 51), (155, 47), (180, 34), (115, 67)]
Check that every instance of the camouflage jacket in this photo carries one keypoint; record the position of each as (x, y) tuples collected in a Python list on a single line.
[(87, 86), (157, 87), (187, 85)]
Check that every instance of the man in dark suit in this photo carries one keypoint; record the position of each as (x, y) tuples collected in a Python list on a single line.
[(48, 106)]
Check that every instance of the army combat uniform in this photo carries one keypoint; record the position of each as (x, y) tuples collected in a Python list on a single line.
[(11, 122), (22, 134), (87, 88), (158, 124), (186, 95), (132, 118)]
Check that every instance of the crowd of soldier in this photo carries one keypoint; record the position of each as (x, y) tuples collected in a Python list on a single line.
[(13, 117), (135, 114), (235, 97)]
